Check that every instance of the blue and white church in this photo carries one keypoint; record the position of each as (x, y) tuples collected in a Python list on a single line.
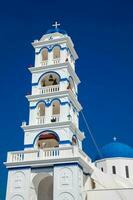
[(52, 165)]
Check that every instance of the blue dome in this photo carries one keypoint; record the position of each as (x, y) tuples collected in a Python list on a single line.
[(56, 30), (115, 149)]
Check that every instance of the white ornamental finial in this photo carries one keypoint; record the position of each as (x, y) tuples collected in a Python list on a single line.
[(114, 138), (56, 25)]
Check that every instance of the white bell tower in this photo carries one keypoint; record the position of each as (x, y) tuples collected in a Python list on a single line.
[(52, 164)]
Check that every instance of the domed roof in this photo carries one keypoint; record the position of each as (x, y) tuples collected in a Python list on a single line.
[(115, 149), (56, 30)]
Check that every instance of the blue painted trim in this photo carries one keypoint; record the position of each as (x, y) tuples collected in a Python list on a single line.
[(56, 99), (65, 142), (42, 167), (69, 164), (41, 101), (66, 164), (32, 107), (28, 145), (64, 79), (50, 48), (18, 168), (34, 84), (54, 133), (49, 103), (55, 165)]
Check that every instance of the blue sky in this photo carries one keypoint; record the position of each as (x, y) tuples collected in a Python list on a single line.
[(102, 32)]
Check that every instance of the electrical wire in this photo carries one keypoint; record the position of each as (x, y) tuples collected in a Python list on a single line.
[(92, 137)]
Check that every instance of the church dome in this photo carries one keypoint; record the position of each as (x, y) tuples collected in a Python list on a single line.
[(56, 30), (115, 149)]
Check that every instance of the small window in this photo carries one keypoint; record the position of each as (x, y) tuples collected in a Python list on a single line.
[(56, 52), (44, 55), (102, 169), (113, 169), (127, 171)]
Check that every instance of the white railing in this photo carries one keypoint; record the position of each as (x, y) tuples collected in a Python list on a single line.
[(44, 63), (55, 118), (56, 60), (46, 154), (41, 120), (49, 89)]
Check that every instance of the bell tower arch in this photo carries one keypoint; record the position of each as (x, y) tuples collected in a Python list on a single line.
[(52, 163)]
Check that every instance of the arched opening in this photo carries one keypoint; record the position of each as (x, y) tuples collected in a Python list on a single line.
[(55, 111), (44, 55), (41, 110), (56, 52), (50, 79), (56, 107), (45, 189), (47, 140), (70, 84), (41, 113)]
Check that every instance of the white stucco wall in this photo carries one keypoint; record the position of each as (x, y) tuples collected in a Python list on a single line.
[(119, 164)]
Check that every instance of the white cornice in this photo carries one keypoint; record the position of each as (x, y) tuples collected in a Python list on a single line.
[(59, 94), (51, 126), (70, 45), (73, 74), (113, 159), (74, 100), (47, 68), (57, 66), (67, 40), (87, 167), (41, 43)]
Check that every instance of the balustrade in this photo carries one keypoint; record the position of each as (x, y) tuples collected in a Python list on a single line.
[(41, 120), (45, 154), (49, 89), (44, 63), (56, 61)]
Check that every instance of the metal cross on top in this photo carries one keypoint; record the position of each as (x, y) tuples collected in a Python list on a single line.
[(56, 25)]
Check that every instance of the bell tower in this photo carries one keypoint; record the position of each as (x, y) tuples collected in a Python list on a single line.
[(53, 103), (52, 164)]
